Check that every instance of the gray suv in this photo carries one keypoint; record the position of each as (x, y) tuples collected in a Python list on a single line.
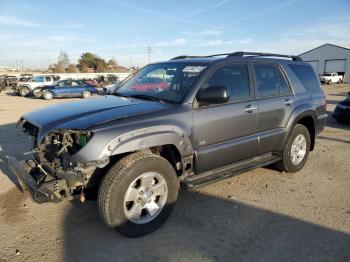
[(186, 122)]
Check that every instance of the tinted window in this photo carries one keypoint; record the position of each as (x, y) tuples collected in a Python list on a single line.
[(47, 78), (266, 80), (306, 76), (284, 87), (235, 78)]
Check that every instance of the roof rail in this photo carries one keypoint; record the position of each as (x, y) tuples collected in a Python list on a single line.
[(203, 56), (241, 54)]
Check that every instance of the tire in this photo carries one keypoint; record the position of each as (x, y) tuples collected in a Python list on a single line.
[(339, 81), (286, 163), (329, 82), (86, 94), (47, 95), (24, 91), (115, 189)]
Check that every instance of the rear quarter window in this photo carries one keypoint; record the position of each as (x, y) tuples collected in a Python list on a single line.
[(306, 76)]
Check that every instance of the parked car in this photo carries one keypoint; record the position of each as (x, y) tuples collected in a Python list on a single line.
[(342, 111), (2, 83), (26, 88), (65, 88), (11, 81), (221, 115), (25, 77), (330, 78)]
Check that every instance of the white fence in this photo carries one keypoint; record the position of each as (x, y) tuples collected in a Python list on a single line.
[(121, 76)]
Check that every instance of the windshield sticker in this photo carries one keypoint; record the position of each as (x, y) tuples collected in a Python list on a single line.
[(193, 69)]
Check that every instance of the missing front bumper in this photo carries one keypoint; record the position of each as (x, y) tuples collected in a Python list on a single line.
[(45, 192)]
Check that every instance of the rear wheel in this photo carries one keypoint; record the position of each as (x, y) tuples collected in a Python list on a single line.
[(339, 81), (329, 82), (47, 95), (296, 151), (138, 194), (86, 94)]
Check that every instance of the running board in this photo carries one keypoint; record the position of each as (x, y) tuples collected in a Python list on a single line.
[(221, 173)]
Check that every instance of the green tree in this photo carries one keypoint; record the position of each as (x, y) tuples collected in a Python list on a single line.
[(90, 60)]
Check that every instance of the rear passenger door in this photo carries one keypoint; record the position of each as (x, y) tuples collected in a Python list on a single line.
[(76, 89), (276, 103)]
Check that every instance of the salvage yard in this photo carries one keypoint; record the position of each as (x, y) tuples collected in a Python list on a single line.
[(261, 215)]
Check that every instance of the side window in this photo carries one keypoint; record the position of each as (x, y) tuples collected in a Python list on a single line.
[(39, 79), (266, 80), (47, 78), (306, 76), (283, 84), (235, 78), (74, 83)]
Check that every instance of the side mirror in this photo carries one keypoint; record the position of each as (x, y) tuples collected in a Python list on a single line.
[(213, 95)]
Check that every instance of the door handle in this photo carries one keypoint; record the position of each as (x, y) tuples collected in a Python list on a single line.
[(288, 102), (250, 108)]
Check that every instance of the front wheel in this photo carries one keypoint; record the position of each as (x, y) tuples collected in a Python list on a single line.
[(296, 151), (47, 95), (138, 194), (24, 91), (86, 94)]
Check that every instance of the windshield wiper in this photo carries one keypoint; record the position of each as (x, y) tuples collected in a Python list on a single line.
[(145, 97)]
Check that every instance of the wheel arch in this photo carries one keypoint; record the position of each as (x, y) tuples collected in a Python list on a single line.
[(167, 141), (304, 115)]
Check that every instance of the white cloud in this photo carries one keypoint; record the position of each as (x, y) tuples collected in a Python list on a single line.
[(18, 21), (246, 40), (210, 32), (176, 42), (21, 21)]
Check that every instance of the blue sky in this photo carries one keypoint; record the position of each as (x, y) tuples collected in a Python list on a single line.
[(34, 31)]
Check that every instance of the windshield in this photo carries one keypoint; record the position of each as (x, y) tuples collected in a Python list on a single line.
[(165, 81), (327, 74)]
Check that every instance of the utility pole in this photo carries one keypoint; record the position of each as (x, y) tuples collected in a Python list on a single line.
[(149, 49), (130, 63)]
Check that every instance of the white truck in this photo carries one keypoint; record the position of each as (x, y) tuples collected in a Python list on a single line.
[(26, 88), (330, 78)]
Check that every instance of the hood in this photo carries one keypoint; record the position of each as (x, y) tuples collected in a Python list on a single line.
[(89, 112)]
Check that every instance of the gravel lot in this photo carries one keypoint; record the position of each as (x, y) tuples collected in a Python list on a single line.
[(262, 215)]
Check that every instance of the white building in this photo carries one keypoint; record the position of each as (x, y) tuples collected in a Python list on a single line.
[(329, 58)]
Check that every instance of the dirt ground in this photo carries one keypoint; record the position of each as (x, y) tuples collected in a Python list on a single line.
[(262, 215)]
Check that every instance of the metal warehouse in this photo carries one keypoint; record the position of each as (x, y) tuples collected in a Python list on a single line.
[(329, 58)]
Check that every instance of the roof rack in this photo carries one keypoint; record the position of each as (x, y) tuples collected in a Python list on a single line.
[(204, 56), (240, 54)]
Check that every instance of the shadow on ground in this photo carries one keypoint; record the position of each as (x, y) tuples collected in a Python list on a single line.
[(205, 228)]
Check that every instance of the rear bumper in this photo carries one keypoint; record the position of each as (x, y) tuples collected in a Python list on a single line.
[(40, 193), (321, 122)]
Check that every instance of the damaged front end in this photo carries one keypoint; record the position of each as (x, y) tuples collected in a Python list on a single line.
[(49, 173)]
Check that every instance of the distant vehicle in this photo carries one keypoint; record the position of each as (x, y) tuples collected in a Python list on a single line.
[(11, 81), (342, 111), (26, 88), (65, 88), (330, 78), (25, 77), (2, 83)]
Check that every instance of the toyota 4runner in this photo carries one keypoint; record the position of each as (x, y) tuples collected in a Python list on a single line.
[(202, 120)]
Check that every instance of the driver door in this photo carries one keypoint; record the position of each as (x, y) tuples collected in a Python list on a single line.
[(227, 133)]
